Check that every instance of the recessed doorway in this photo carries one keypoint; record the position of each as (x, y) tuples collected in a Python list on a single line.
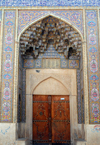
[(51, 119)]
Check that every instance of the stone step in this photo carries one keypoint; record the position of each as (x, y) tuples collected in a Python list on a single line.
[(80, 142), (21, 141)]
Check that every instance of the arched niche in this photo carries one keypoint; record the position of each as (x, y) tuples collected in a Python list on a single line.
[(51, 86), (64, 79), (40, 83)]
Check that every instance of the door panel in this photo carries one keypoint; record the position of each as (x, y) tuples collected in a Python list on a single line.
[(40, 119), (51, 119), (60, 119)]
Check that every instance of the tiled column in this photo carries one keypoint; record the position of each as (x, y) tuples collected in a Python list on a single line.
[(93, 65), (7, 66)]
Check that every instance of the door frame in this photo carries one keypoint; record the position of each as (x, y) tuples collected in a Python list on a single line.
[(36, 80)]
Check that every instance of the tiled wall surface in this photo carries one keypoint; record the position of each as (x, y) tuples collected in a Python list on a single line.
[(50, 59), (93, 65), (7, 66), (75, 17), (49, 3)]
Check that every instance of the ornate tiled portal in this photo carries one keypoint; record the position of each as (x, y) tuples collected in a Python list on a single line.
[(46, 45), (50, 58), (16, 16)]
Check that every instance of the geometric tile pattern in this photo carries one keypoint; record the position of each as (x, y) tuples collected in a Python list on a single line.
[(7, 67), (75, 17), (42, 3), (38, 63), (63, 63), (51, 53), (93, 65)]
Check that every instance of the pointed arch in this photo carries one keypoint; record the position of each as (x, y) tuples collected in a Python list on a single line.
[(55, 16), (49, 86)]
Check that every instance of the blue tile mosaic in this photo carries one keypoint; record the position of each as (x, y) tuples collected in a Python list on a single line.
[(51, 53), (38, 63), (64, 63), (49, 3)]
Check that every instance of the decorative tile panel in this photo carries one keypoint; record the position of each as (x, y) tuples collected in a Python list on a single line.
[(64, 63), (50, 59), (7, 66), (73, 63), (29, 63), (72, 16), (51, 53), (93, 65), (16, 3), (38, 63)]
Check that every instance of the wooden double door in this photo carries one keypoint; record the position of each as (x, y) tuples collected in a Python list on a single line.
[(51, 119)]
